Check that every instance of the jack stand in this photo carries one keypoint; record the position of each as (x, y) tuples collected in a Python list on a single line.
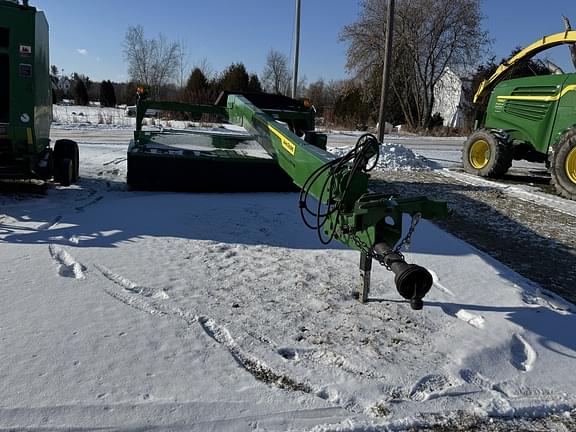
[(365, 271)]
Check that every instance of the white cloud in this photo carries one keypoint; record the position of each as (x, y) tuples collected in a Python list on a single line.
[(82, 51)]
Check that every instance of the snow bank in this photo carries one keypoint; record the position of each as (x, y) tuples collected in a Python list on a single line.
[(73, 117), (86, 116), (394, 157)]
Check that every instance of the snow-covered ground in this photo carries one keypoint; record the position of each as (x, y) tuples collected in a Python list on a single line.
[(74, 116), (197, 312)]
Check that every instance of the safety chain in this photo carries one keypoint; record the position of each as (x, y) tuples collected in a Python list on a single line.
[(381, 256)]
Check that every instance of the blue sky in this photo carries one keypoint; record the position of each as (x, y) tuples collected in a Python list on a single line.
[(86, 35)]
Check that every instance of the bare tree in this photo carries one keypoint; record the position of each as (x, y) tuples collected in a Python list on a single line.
[(205, 67), (182, 63), (152, 62), (276, 75), (323, 95), (429, 36)]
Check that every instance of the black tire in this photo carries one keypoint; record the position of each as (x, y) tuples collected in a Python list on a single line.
[(563, 166), (64, 171), (68, 149), (46, 172), (487, 154)]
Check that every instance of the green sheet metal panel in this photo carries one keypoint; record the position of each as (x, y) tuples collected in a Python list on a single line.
[(203, 160), (526, 108), (566, 115), (24, 31)]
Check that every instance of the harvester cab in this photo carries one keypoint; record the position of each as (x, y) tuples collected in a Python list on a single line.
[(269, 143), (530, 118), (26, 100)]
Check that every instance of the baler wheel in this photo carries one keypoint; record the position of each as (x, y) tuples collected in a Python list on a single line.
[(68, 149), (563, 167), (486, 154), (64, 171)]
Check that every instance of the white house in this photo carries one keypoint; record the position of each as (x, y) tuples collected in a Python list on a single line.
[(64, 84), (450, 98)]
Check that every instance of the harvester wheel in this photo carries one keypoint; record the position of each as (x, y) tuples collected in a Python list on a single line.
[(486, 154), (563, 167), (68, 149), (64, 171)]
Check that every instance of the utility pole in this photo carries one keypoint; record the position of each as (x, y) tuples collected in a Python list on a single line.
[(296, 50), (386, 69)]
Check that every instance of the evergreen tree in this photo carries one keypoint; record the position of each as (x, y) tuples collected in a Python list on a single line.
[(107, 94), (196, 81), (79, 91), (235, 78), (112, 91), (199, 89), (254, 84)]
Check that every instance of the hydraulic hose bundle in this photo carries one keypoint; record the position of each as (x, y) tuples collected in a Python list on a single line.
[(362, 158)]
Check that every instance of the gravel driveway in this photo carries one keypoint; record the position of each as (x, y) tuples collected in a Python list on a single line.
[(536, 241)]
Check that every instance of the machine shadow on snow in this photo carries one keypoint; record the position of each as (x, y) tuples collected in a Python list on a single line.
[(273, 219)]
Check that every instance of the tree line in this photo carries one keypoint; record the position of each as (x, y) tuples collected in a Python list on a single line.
[(430, 37), (82, 89)]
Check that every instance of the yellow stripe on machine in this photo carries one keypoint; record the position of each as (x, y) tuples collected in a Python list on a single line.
[(29, 136), (287, 145), (556, 97), (565, 37)]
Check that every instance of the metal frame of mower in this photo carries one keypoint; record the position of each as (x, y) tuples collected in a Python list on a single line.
[(334, 197)]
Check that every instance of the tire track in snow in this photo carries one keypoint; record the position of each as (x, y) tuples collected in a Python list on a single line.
[(130, 286), (254, 366), (68, 266), (140, 298), (325, 357), (93, 201), (137, 302), (116, 161)]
